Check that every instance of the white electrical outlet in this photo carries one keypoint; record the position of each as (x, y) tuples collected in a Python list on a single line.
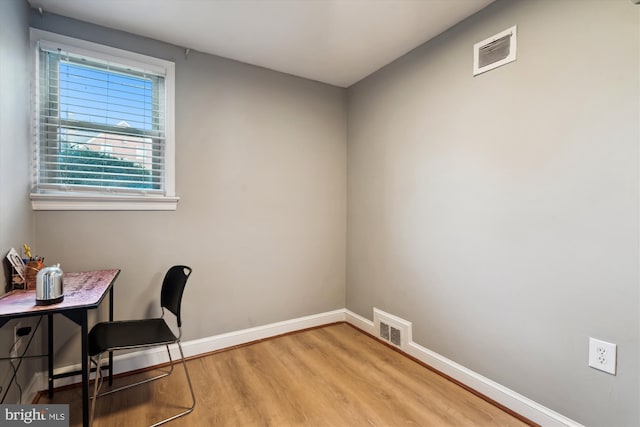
[(17, 342), (602, 355)]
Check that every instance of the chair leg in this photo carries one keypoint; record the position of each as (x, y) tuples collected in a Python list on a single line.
[(193, 396), (186, 371), (148, 380), (170, 360), (99, 380)]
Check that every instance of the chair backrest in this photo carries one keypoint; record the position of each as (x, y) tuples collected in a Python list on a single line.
[(172, 289)]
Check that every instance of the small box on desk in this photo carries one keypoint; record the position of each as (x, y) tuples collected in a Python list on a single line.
[(30, 273)]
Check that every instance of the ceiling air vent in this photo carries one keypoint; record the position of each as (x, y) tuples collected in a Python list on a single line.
[(494, 51)]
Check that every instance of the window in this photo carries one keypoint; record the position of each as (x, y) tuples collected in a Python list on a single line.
[(103, 126)]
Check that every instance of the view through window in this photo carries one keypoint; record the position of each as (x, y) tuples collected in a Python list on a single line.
[(101, 125)]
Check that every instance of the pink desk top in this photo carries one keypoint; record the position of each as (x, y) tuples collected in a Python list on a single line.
[(85, 289)]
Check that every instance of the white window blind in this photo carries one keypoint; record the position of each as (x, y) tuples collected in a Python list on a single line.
[(101, 125)]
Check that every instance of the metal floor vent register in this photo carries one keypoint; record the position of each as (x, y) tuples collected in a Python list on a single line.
[(392, 329)]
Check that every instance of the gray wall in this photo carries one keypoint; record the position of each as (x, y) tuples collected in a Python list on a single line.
[(261, 173), (16, 218), (499, 213)]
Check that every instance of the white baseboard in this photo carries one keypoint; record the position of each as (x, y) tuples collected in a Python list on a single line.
[(503, 395), (499, 393), (142, 359), (359, 322)]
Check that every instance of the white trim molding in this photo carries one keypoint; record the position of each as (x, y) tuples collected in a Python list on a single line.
[(491, 389), (500, 394), (359, 322), (145, 358), (75, 202)]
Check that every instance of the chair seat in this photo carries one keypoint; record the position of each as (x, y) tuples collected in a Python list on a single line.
[(106, 336)]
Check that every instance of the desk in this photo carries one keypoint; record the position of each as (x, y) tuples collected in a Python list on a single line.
[(82, 292)]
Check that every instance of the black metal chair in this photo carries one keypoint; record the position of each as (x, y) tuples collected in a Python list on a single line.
[(131, 334)]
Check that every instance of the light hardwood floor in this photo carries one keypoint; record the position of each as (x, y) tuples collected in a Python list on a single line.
[(331, 376)]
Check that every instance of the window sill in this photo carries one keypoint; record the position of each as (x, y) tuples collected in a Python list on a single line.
[(75, 202)]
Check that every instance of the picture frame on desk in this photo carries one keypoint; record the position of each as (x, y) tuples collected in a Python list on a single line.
[(16, 262), (18, 273), (23, 276)]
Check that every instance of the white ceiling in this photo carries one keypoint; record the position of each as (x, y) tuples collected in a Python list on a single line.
[(333, 41)]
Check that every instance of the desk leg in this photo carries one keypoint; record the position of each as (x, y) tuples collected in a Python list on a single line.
[(80, 317), (111, 352), (85, 368), (50, 352)]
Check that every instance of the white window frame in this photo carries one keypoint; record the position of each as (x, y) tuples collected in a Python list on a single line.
[(98, 200)]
